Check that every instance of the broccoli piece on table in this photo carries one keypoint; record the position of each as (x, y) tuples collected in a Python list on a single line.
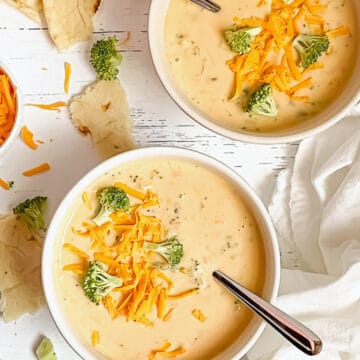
[(105, 58), (111, 199), (32, 212), (240, 40), (261, 102), (45, 350), (171, 250), (97, 283), (310, 48)]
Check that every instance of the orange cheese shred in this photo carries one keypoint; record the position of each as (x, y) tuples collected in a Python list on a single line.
[(75, 268), (183, 294), (341, 30), (76, 251), (95, 338), (4, 184), (130, 191), (86, 199), (163, 347), (37, 170), (302, 85), (28, 138), (67, 67), (199, 315), (171, 354), (167, 316), (54, 106)]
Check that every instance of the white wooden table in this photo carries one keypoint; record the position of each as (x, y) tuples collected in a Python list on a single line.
[(38, 67)]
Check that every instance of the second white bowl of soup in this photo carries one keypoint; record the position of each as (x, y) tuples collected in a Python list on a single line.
[(213, 84), (158, 310)]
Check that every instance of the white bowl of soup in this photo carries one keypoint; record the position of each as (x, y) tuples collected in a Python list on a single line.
[(213, 84), (179, 311), (11, 109)]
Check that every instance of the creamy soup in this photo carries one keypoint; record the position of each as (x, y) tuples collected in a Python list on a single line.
[(197, 54), (207, 214)]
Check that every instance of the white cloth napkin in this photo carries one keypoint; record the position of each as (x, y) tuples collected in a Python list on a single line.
[(316, 212)]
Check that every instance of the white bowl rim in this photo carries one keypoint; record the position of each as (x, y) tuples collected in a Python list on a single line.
[(15, 131), (129, 156), (253, 138)]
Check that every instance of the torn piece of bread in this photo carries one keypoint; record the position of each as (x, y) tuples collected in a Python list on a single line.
[(31, 8), (70, 21), (20, 283), (102, 110)]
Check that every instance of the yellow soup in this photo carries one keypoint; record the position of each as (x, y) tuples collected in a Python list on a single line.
[(207, 214), (198, 53)]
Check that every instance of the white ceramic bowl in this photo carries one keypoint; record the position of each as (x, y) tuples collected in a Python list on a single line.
[(330, 116), (51, 247), (19, 113)]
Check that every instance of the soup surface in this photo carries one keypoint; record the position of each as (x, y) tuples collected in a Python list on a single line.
[(217, 231), (197, 54)]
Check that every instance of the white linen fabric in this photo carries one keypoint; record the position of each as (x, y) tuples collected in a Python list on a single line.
[(316, 212)]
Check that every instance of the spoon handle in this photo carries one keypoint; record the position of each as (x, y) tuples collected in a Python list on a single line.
[(295, 332)]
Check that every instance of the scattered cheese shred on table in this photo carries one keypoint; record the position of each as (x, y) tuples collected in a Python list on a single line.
[(7, 106), (28, 138), (199, 315), (37, 170), (272, 57), (67, 77), (4, 184), (95, 338), (54, 106)]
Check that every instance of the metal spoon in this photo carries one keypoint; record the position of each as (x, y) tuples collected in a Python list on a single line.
[(208, 4), (295, 332)]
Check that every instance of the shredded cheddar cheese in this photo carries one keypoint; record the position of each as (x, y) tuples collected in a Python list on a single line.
[(4, 184), (54, 106), (7, 106), (199, 315), (86, 199), (76, 251), (167, 316), (37, 170), (146, 290), (272, 58), (28, 138), (163, 352), (67, 67), (75, 268), (95, 338)]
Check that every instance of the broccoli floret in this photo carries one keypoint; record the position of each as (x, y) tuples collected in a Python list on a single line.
[(111, 199), (310, 48), (261, 102), (240, 40), (97, 283), (45, 350), (105, 58), (171, 249), (32, 212)]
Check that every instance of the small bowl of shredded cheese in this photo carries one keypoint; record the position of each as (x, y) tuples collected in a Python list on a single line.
[(10, 109)]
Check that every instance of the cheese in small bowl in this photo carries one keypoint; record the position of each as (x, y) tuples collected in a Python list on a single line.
[(10, 109), (183, 216)]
